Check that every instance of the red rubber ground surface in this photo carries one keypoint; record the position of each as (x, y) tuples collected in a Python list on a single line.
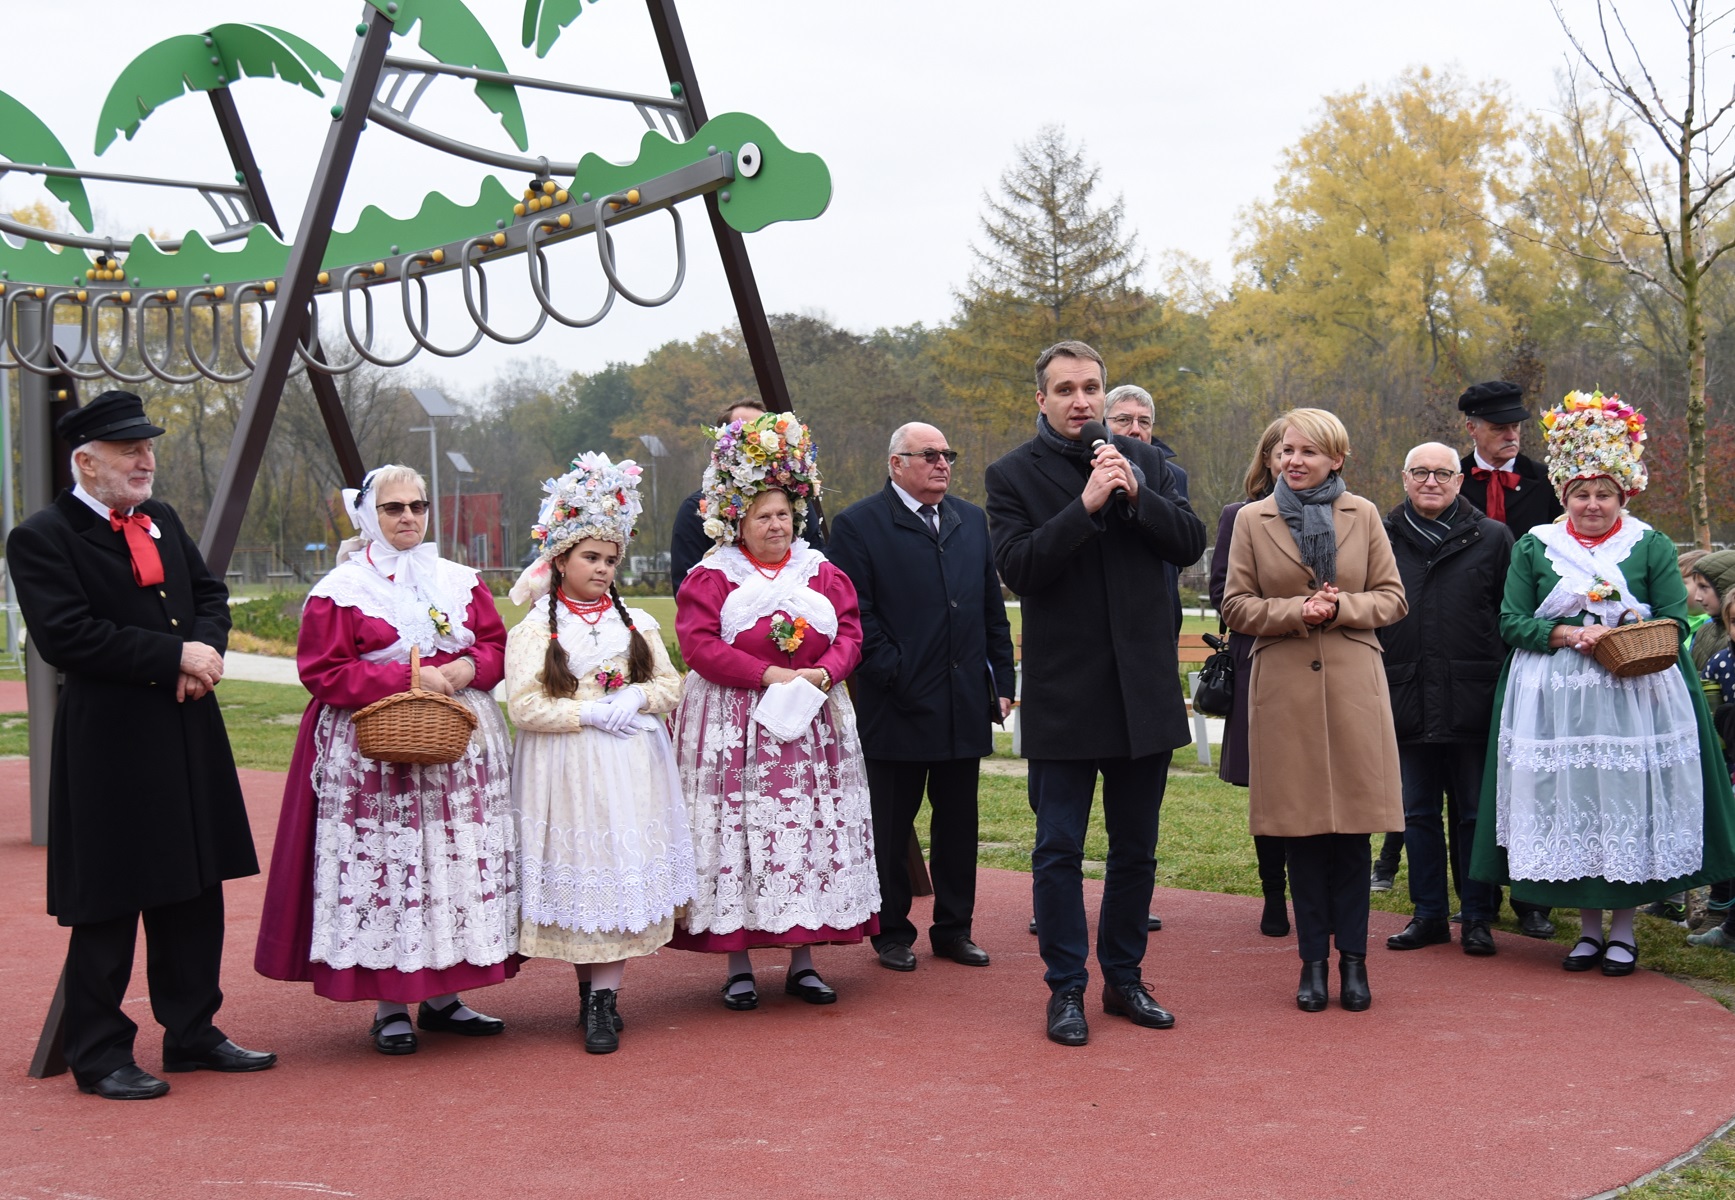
[(1490, 1078)]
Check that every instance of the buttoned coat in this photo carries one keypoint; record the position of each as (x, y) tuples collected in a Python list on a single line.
[(144, 807), (936, 646), (1322, 756), (1101, 679)]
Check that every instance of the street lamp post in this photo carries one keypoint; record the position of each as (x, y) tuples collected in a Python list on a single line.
[(654, 445), (435, 404), (462, 467)]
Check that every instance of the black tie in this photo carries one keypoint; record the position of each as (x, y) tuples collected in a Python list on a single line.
[(932, 519)]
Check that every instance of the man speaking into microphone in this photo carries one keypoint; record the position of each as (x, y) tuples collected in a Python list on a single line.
[(1082, 523)]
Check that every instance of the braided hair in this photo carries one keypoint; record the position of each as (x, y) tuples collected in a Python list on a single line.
[(640, 665), (558, 681)]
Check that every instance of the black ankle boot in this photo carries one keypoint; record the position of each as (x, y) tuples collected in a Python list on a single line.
[(599, 1029), (1352, 971), (1275, 921), (1312, 995)]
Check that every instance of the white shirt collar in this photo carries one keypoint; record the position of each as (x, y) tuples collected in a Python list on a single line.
[(102, 510), (910, 502), (1488, 466)]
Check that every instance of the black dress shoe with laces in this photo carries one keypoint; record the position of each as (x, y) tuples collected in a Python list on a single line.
[(1535, 925), (817, 992), (1421, 931), (962, 950), (1477, 939), (600, 1035), (896, 956), (393, 1043), (1066, 1023), (441, 1020), (1311, 994), (127, 1083), (1132, 1000), (227, 1057), (1352, 976), (584, 998)]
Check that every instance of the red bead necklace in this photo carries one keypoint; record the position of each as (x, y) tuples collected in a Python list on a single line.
[(588, 611), (768, 570), (1588, 542)]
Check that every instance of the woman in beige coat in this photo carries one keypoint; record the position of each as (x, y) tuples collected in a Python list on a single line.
[(1311, 576)]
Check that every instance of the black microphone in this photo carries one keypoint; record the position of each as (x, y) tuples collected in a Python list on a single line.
[(1096, 436)]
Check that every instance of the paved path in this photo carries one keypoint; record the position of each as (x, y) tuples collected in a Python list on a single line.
[(1470, 1079)]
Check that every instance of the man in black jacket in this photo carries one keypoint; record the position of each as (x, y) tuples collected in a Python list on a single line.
[(145, 815), (1082, 535), (1442, 665), (936, 669)]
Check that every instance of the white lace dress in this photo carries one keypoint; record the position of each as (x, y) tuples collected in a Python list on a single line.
[(1598, 777), (605, 857)]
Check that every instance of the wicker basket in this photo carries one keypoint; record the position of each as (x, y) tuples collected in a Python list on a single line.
[(1642, 648), (417, 726)]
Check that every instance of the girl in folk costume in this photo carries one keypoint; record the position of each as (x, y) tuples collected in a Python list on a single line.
[(391, 882), (1608, 792), (773, 777), (605, 852)]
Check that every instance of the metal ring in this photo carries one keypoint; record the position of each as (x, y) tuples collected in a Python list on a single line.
[(126, 320), (296, 366), (481, 318), (144, 351), (404, 276), (605, 253), (538, 265), (199, 364)]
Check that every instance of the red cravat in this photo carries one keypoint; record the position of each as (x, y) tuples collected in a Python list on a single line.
[(1498, 482), (147, 563)]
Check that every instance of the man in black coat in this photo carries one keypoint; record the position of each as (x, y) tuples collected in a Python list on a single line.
[(145, 815), (1082, 535), (936, 670), (1442, 665)]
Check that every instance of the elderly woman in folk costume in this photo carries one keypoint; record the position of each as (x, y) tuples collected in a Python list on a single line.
[(765, 740), (1608, 792), (391, 882), (605, 854)]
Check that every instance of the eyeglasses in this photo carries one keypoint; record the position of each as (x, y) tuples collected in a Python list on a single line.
[(1439, 475), (931, 457), (1123, 420), (395, 508)]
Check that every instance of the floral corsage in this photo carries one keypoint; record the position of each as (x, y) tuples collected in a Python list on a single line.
[(1602, 590), (442, 623), (787, 635), (610, 681)]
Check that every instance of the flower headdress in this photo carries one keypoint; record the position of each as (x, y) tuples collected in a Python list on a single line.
[(596, 499), (773, 450), (1591, 435)]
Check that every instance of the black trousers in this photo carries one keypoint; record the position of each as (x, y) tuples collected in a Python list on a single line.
[(895, 794), (183, 958), (1328, 886), (1270, 854)]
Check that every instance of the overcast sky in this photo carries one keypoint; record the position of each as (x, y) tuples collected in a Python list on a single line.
[(916, 105)]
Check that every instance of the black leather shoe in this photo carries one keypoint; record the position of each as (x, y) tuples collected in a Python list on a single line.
[(817, 992), (584, 998), (1352, 980), (228, 1057), (1611, 966), (1133, 1001), (1311, 995), (393, 1043), (1066, 1023), (600, 1036), (740, 1001), (1274, 921), (440, 1020), (1153, 923), (1421, 931), (962, 950), (127, 1083), (1583, 962), (897, 957), (1535, 924), (1032, 926), (1477, 938)]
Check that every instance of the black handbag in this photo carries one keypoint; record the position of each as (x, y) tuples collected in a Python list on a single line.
[(1215, 694)]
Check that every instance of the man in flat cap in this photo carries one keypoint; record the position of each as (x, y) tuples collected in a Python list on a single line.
[(145, 815)]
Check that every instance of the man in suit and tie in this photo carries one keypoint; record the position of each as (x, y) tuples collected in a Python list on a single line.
[(936, 670), (1082, 533)]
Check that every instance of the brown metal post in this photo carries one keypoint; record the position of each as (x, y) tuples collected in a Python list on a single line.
[(265, 389)]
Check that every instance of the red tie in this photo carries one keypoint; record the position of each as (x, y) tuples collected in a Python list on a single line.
[(1498, 482), (147, 563)]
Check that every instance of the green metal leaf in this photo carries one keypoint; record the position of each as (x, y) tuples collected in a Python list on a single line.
[(451, 34), (168, 69), (24, 138), (306, 51), (262, 52), (544, 19)]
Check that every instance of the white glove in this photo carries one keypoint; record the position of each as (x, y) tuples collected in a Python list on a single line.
[(616, 719), (631, 697)]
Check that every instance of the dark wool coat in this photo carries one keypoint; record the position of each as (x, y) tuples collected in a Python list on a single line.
[(1100, 673), (1530, 504), (936, 647), (144, 808), (1443, 658)]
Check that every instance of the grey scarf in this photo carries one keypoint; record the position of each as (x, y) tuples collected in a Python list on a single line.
[(1308, 515)]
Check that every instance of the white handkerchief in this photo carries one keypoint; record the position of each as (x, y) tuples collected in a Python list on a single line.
[(786, 710)]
